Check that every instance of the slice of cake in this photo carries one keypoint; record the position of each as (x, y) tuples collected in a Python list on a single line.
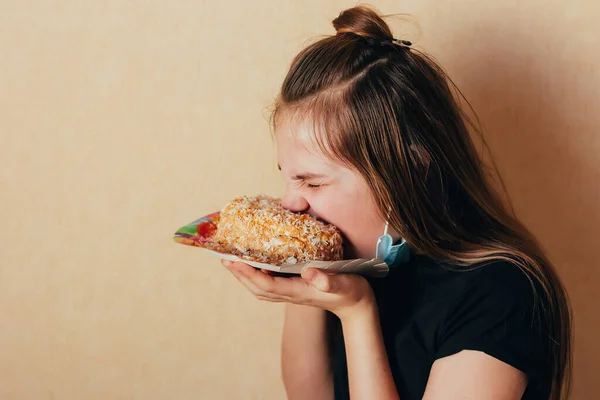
[(260, 229)]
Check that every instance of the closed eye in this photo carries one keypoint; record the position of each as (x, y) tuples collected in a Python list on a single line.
[(300, 183)]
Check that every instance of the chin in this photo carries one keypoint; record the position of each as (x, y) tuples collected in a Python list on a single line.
[(352, 252)]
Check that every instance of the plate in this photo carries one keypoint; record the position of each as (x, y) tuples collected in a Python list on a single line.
[(200, 232)]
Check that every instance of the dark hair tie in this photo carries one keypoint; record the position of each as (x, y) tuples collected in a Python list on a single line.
[(402, 42), (383, 42), (373, 41)]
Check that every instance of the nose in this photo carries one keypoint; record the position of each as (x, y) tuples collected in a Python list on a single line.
[(294, 202)]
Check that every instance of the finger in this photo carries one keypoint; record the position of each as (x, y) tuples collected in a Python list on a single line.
[(285, 287), (254, 277), (226, 263), (280, 274), (272, 273), (272, 299), (320, 280), (246, 282), (245, 273), (249, 285)]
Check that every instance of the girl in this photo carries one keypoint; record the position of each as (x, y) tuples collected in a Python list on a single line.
[(368, 132)]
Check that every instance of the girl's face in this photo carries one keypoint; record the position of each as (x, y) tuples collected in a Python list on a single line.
[(326, 190)]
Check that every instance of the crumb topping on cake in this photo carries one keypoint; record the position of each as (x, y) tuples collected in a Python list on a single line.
[(260, 229)]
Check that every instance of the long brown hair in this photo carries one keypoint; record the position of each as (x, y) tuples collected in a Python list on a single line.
[(389, 112)]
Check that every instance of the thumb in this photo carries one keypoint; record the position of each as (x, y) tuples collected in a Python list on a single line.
[(319, 279)]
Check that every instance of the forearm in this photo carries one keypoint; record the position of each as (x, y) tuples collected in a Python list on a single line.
[(369, 374), (305, 364)]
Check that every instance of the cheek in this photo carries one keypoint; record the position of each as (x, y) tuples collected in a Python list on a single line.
[(353, 212)]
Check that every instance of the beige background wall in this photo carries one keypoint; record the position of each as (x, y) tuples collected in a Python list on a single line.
[(121, 121)]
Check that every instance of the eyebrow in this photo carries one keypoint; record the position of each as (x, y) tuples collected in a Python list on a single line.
[(305, 175)]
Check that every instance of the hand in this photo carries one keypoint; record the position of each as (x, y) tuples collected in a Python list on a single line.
[(342, 294)]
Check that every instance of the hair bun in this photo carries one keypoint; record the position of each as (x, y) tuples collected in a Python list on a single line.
[(363, 21)]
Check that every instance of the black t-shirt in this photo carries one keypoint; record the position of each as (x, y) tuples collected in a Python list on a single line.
[(429, 311)]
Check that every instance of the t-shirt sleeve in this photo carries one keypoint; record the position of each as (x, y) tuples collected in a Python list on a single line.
[(495, 314)]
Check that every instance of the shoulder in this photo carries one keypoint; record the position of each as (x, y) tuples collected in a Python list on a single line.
[(499, 280), (491, 307), (493, 295), (495, 313), (427, 283)]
